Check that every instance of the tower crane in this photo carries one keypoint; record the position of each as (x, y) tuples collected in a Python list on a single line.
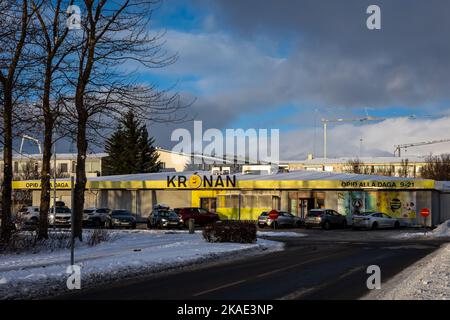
[(325, 123), (399, 147), (367, 118)]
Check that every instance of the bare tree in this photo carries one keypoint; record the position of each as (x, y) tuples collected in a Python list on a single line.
[(53, 50), (437, 168), (113, 34), (404, 169), (15, 17), (355, 166)]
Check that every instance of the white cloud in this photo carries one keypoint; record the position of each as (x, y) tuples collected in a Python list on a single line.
[(378, 138)]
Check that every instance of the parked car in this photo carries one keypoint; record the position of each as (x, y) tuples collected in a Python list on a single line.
[(374, 220), (163, 218), (61, 217), (28, 214), (276, 219), (122, 218), (325, 218), (201, 216), (97, 217)]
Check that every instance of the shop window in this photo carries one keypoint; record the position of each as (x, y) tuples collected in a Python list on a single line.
[(276, 202), (63, 168)]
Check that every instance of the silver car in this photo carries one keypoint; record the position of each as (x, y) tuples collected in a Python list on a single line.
[(283, 219), (374, 220)]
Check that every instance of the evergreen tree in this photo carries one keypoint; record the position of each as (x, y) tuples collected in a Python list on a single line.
[(130, 149)]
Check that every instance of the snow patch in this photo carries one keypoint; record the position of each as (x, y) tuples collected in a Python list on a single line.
[(441, 231), (427, 279), (286, 234), (129, 254)]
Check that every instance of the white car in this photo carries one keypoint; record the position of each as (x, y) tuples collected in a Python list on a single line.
[(374, 220), (29, 214)]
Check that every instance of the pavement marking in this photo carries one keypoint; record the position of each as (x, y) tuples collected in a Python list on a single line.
[(302, 292), (219, 288)]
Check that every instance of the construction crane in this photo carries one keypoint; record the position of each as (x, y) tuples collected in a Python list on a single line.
[(26, 137), (367, 118), (325, 123), (399, 147)]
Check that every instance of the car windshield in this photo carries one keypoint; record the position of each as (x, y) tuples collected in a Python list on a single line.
[(121, 213), (62, 210), (315, 213), (167, 214), (368, 213), (265, 213), (88, 211)]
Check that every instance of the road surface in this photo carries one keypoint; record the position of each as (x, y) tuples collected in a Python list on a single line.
[(328, 265)]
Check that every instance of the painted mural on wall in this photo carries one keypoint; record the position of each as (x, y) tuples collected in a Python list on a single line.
[(400, 204)]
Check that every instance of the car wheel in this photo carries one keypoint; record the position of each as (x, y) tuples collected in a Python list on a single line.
[(298, 224), (397, 225), (326, 225), (375, 225)]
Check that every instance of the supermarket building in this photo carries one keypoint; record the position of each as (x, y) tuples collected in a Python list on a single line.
[(246, 196)]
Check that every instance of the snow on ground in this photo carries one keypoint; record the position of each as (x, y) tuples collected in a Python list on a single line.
[(128, 254), (441, 231), (287, 234), (428, 279)]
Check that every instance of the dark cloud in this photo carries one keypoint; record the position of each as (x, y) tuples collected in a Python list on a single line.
[(337, 60)]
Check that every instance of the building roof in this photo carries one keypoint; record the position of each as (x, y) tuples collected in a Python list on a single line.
[(371, 160), (299, 175)]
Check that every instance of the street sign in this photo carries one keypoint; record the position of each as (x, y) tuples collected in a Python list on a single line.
[(425, 212)]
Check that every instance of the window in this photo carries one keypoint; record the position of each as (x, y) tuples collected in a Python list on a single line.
[(63, 168)]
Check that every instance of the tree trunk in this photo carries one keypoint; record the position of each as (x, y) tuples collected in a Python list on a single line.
[(46, 157), (7, 160), (45, 180), (80, 184)]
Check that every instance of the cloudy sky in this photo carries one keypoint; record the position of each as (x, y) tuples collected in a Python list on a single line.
[(287, 64)]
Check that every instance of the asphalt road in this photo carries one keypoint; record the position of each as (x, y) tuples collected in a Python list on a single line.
[(329, 265)]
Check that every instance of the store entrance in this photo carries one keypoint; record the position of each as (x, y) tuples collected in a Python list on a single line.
[(301, 202), (209, 204)]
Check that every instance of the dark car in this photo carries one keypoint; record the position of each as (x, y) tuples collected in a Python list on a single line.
[(122, 218), (199, 215), (161, 218), (325, 218)]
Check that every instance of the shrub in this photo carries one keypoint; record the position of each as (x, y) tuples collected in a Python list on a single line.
[(230, 231), (97, 236)]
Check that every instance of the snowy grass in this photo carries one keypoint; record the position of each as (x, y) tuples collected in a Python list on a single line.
[(26, 241), (128, 254)]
